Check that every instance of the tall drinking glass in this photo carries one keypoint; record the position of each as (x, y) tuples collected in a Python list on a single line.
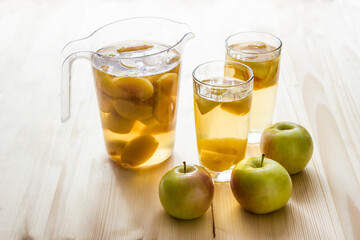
[(261, 52), (222, 101)]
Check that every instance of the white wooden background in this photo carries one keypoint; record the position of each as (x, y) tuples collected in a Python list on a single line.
[(56, 181)]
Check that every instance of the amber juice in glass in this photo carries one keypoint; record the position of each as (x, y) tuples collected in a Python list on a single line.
[(222, 104), (261, 52), (137, 99)]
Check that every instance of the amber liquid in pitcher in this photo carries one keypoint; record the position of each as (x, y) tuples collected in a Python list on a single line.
[(266, 73), (222, 121), (137, 99)]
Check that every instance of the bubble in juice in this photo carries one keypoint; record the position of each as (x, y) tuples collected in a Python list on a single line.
[(137, 85)]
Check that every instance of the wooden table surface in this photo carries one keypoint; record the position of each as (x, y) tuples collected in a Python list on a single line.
[(56, 181)]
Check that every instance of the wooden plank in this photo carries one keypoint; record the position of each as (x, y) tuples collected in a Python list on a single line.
[(57, 182)]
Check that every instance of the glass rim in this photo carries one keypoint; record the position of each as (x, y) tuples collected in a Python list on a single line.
[(251, 77), (265, 33)]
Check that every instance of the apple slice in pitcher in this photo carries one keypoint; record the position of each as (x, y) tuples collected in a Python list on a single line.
[(139, 150), (116, 123), (115, 146), (133, 87), (105, 83), (167, 84), (132, 110), (164, 110)]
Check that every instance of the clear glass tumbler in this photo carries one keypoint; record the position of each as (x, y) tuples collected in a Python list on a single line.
[(222, 102), (261, 52)]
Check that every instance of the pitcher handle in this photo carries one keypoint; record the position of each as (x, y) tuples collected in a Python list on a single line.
[(66, 82)]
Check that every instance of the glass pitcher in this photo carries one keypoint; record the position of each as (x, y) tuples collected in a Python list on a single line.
[(136, 67)]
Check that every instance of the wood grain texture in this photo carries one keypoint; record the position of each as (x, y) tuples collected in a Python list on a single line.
[(56, 181)]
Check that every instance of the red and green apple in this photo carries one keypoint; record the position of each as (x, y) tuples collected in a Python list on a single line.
[(289, 144), (186, 192), (260, 185)]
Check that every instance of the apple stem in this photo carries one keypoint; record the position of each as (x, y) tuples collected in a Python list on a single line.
[(262, 159), (184, 162)]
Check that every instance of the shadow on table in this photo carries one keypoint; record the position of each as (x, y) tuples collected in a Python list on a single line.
[(171, 228), (122, 203), (133, 210), (271, 224), (302, 183), (142, 210), (265, 226), (232, 221)]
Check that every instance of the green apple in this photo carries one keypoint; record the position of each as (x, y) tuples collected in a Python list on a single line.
[(186, 192), (260, 185), (289, 144)]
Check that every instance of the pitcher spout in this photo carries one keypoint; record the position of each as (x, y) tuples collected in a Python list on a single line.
[(188, 36)]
